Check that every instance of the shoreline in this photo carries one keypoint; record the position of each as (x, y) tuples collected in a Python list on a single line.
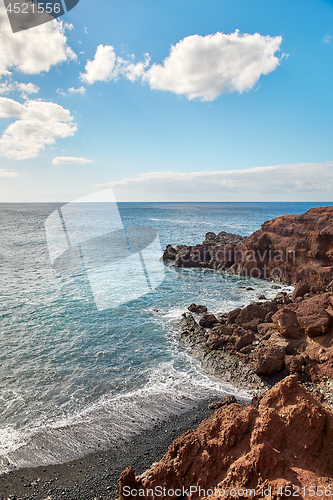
[(96, 476)]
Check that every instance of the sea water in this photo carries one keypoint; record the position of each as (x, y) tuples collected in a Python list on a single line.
[(74, 379)]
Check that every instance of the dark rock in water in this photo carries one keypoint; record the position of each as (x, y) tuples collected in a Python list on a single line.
[(169, 253), (275, 287), (248, 288), (233, 315), (197, 309), (228, 400), (219, 362), (262, 297), (208, 320)]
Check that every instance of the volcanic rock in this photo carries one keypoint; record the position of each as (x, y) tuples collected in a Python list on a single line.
[(208, 320), (312, 315), (287, 324), (228, 400), (294, 363), (289, 249), (197, 309), (287, 440)]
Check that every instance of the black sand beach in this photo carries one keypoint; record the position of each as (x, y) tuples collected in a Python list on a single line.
[(96, 476)]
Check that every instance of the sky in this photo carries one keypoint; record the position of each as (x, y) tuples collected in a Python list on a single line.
[(215, 100)]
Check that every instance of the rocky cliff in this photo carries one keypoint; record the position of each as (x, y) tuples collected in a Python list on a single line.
[(286, 249)]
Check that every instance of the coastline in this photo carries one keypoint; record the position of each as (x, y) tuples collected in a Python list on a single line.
[(92, 477), (96, 476)]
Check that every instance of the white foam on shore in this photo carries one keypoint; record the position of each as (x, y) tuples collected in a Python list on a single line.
[(104, 423)]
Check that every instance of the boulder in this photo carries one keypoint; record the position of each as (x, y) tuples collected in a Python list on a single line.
[(216, 341), (251, 312), (294, 363), (197, 309), (264, 328), (233, 315), (244, 340), (312, 315), (269, 360), (208, 320), (300, 290), (287, 324)]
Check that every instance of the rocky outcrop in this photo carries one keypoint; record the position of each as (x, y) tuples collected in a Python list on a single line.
[(288, 249), (289, 334), (276, 447)]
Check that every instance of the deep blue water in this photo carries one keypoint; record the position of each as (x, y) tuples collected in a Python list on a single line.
[(74, 377)]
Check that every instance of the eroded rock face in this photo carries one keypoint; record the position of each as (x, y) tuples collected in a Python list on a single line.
[(284, 439), (290, 249)]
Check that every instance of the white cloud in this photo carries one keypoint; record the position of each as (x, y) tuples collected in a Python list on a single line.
[(102, 67), (28, 88), (293, 182), (32, 51), (69, 160), (80, 90), (206, 66), (39, 123), (327, 38), (107, 66), (5, 173), (25, 88), (7, 87), (199, 67)]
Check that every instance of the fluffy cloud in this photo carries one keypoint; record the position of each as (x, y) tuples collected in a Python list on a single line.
[(199, 67), (69, 160), (206, 66), (25, 88), (5, 173), (292, 182), (102, 67), (39, 123), (106, 66), (32, 51)]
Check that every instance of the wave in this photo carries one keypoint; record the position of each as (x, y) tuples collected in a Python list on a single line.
[(111, 419)]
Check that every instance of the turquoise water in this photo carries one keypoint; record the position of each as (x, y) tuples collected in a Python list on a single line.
[(74, 378)]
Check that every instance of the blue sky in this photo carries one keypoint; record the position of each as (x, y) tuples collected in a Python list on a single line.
[(234, 116)]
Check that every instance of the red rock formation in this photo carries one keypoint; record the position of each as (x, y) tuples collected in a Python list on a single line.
[(289, 249), (285, 444)]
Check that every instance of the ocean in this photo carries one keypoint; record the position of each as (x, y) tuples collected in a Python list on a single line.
[(75, 376)]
